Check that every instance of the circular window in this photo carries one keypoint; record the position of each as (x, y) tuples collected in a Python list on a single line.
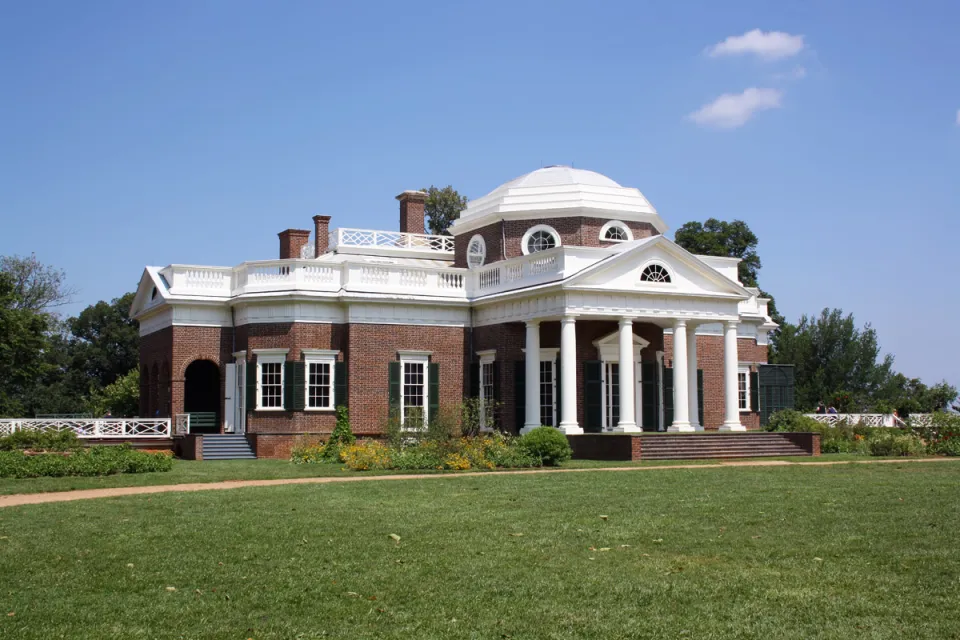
[(540, 238), (615, 231), (476, 252), (655, 273)]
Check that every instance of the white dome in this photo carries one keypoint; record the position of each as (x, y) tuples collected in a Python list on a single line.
[(559, 175), (558, 191)]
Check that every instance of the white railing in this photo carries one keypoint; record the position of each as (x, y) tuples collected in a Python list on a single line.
[(392, 278), (391, 240), (524, 271), (119, 428), (862, 419), (182, 424), (210, 281)]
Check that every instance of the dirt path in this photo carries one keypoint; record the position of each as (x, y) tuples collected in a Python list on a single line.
[(88, 494)]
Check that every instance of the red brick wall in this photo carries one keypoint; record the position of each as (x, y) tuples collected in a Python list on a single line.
[(579, 231), (710, 359), (156, 352), (292, 241)]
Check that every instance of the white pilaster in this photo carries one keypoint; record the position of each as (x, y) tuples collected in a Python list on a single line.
[(681, 396), (568, 375), (694, 406), (628, 421), (731, 388), (532, 384)]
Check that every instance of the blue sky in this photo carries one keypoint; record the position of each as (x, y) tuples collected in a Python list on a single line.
[(136, 133)]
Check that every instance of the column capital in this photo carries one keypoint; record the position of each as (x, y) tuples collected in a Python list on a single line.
[(679, 322), (731, 324), (532, 323), (569, 318), (626, 322)]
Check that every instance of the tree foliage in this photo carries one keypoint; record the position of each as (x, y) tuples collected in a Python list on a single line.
[(720, 238), (36, 286), (121, 398), (105, 340), (22, 343), (442, 208)]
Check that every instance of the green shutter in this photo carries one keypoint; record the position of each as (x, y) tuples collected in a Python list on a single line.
[(299, 386), (700, 396), (667, 397), (251, 385), (754, 391), (433, 391), (474, 390), (558, 387), (289, 385), (340, 384), (650, 401), (393, 369), (593, 396), (776, 389), (520, 393)]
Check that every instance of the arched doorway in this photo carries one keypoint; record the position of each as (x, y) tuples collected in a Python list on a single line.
[(201, 396)]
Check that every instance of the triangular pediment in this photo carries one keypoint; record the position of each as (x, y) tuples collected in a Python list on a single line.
[(688, 275), (151, 292)]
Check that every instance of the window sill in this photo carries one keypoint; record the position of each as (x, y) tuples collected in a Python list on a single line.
[(319, 409), (270, 409)]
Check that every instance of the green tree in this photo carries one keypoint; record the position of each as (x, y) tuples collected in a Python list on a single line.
[(720, 238), (105, 341), (36, 286), (121, 398), (834, 361), (442, 208), (22, 342)]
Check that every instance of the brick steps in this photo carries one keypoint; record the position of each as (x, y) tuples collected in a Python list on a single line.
[(707, 446), (227, 447)]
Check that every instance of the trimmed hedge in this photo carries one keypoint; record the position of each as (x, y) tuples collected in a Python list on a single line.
[(548, 445), (94, 461), (29, 440)]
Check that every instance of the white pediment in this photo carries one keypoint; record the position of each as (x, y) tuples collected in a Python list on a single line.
[(688, 274)]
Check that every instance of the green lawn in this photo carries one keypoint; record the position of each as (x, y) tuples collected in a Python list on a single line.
[(779, 552), (185, 471)]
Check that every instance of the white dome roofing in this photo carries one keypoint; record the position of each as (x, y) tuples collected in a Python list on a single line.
[(558, 192)]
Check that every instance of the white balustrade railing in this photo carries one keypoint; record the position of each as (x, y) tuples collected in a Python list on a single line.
[(386, 278), (862, 419), (391, 240), (181, 424), (524, 271), (108, 428)]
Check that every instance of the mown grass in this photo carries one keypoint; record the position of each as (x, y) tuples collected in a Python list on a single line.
[(777, 552), (191, 471)]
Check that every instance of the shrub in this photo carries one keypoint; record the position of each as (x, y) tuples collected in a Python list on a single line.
[(547, 445), (791, 420), (416, 457), (943, 435), (895, 443), (95, 461), (29, 440), (309, 453), (366, 455)]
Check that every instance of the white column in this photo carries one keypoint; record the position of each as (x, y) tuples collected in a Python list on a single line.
[(731, 388), (568, 375), (532, 384), (681, 396), (628, 421), (694, 406)]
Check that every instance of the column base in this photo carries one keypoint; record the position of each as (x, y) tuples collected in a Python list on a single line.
[(680, 427), (570, 428), (698, 427), (732, 426), (627, 428), (527, 428)]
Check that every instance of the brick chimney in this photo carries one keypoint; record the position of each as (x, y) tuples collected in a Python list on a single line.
[(291, 242), (411, 211), (321, 234)]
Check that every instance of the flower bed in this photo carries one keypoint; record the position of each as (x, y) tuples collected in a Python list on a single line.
[(93, 461)]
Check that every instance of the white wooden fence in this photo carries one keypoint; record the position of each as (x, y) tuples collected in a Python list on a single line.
[(107, 428), (872, 419)]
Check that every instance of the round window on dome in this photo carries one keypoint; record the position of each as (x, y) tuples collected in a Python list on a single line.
[(476, 252), (615, 231), (539, 238)]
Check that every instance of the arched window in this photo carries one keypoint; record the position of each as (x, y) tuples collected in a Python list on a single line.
[(539, 238), (615, 231), (476, 252), (655, 273)]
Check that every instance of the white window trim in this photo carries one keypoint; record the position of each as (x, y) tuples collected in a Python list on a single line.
[(270, 356), (412, 357), (532, 230), (615, 223), (483, 254), (487, 358), (650, 283), (319, 356), (744, 368)]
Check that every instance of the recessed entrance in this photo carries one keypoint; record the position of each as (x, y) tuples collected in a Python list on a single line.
[(201, 396)]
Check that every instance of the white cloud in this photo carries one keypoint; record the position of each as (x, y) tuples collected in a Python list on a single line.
[(770, 45), (732, 110)]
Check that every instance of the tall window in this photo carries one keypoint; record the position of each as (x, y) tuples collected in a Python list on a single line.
[(743, 388), (270, 392), (547, 414), (319, 370), (486, 393), (611, 395), (414, 395)]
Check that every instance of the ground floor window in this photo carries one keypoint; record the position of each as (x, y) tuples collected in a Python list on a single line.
[(413, 397), (548, 414), (611, 394), (319, 380), (743, 388), (486, 393), (270, 376)]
